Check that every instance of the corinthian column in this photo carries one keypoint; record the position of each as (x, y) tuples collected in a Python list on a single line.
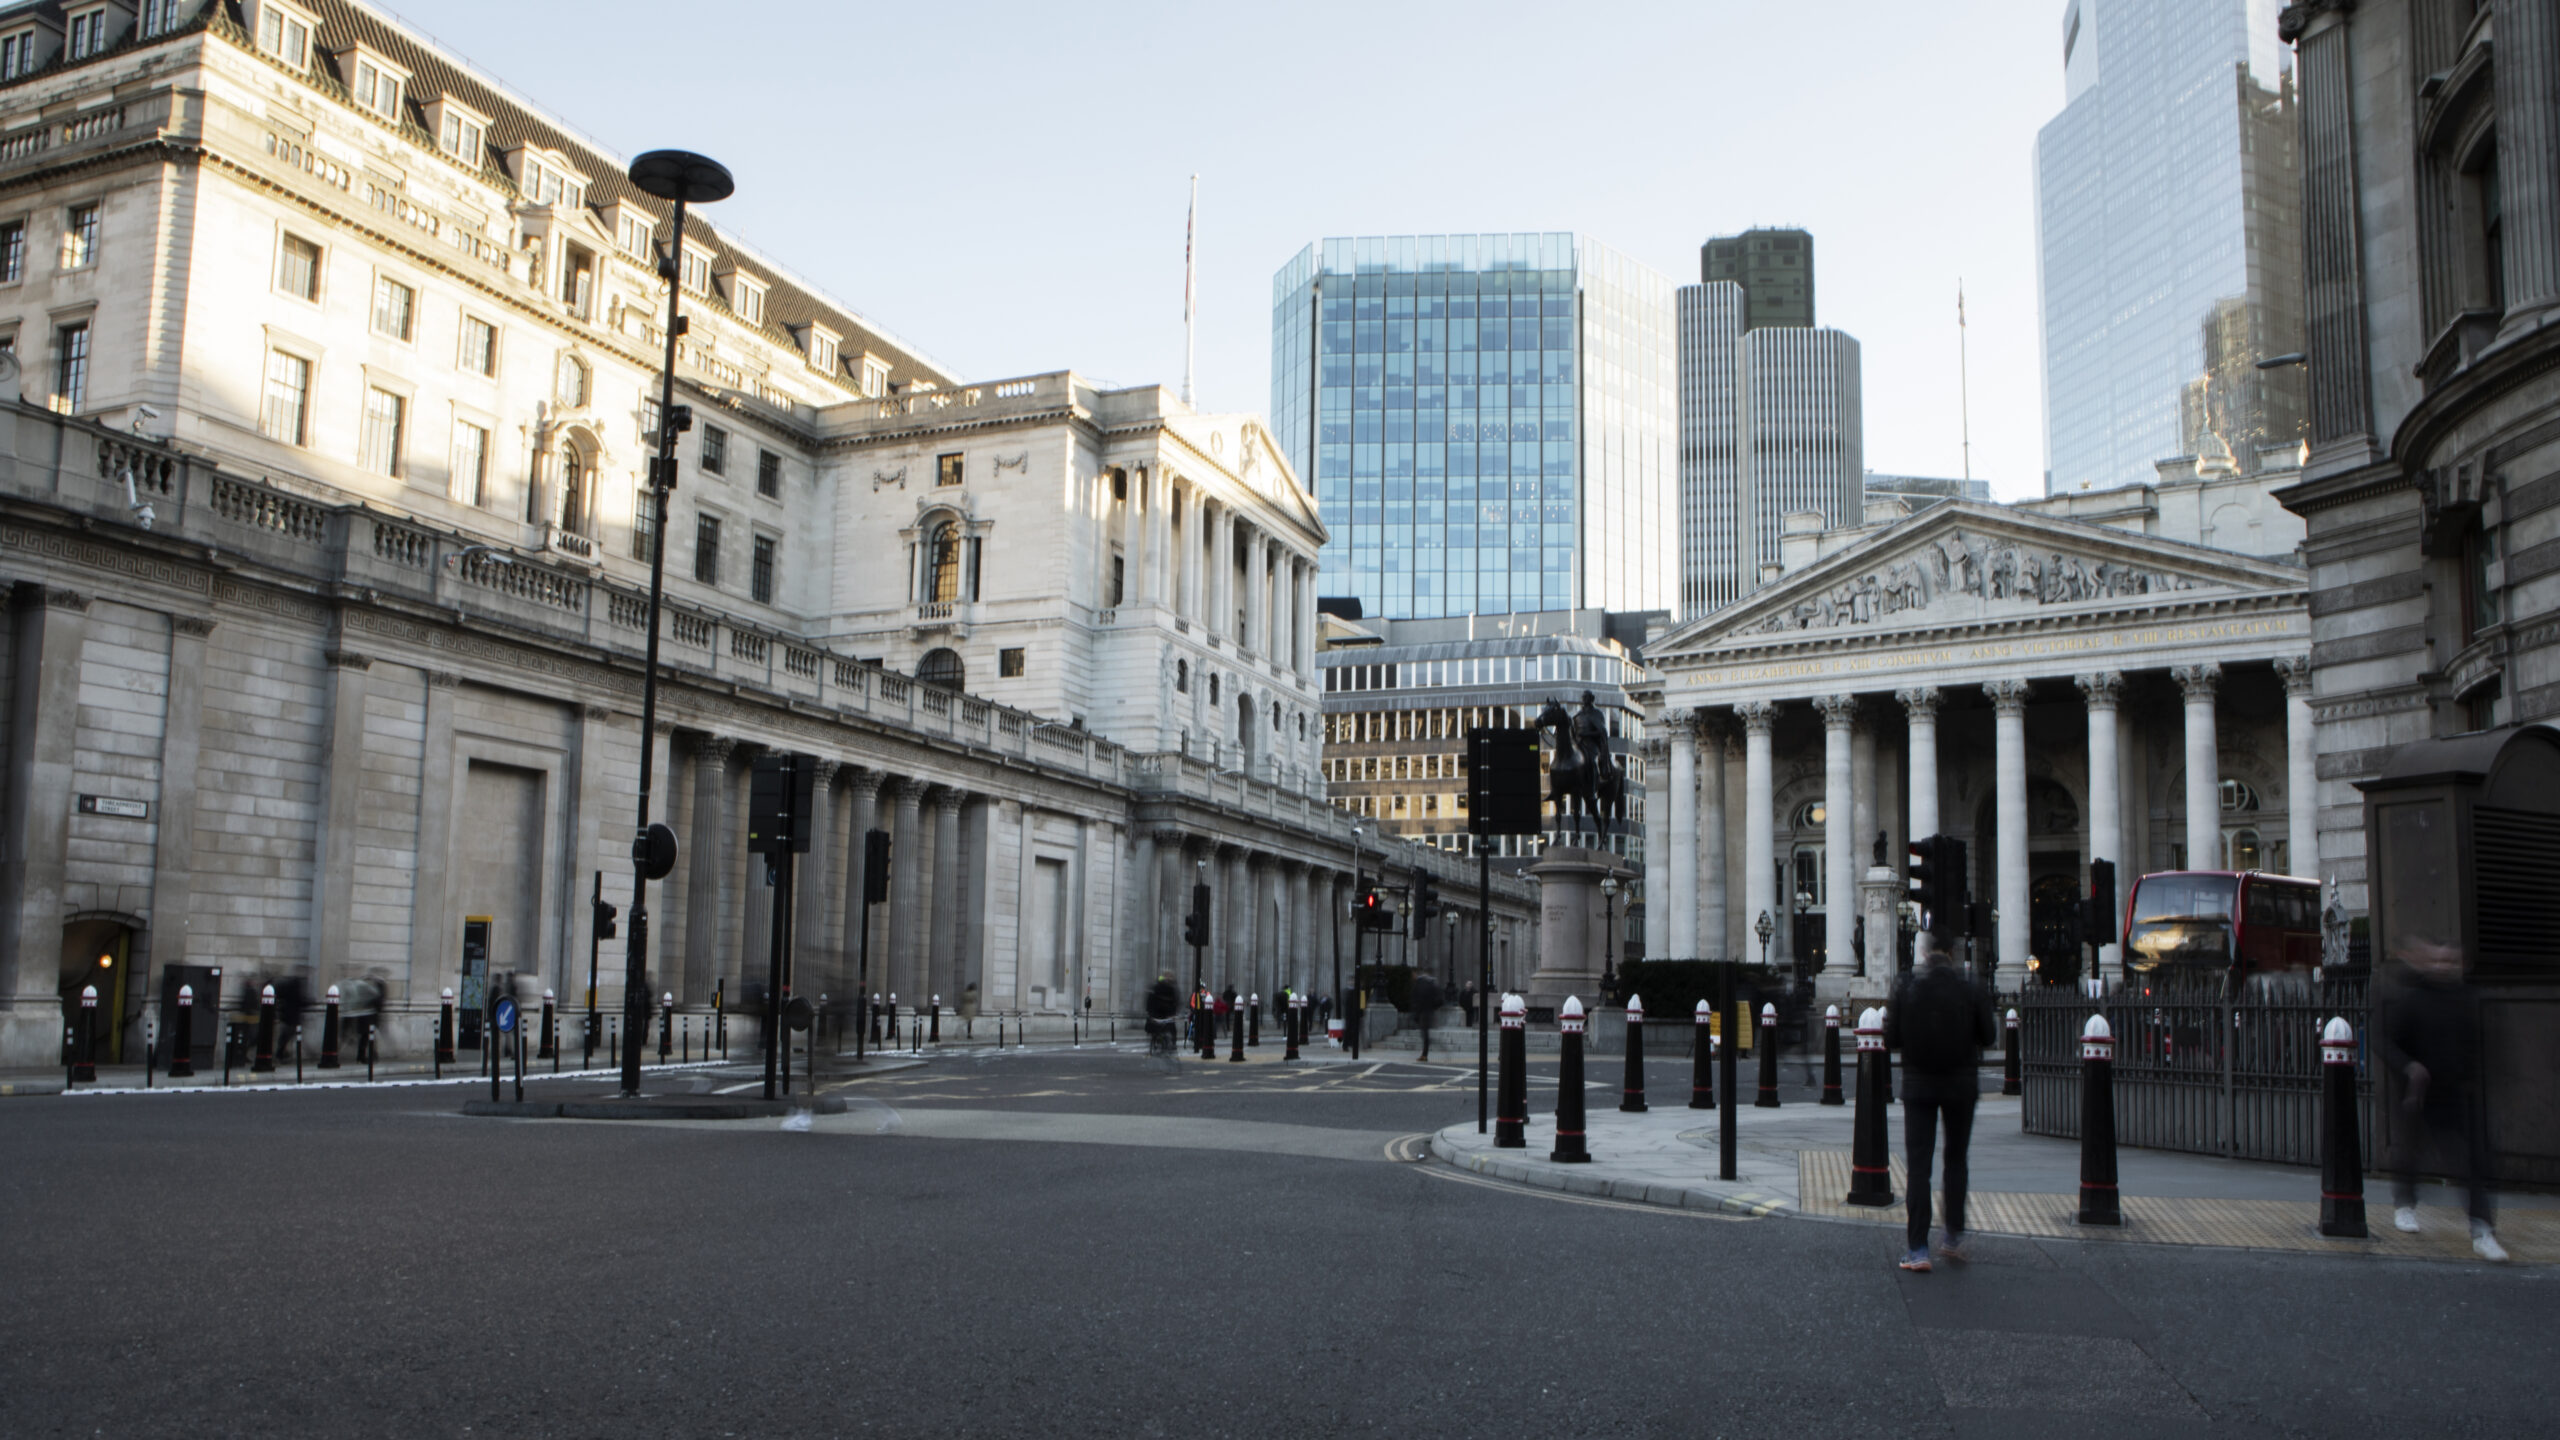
[(703, 867), (1921, 705), (1682, 933), (1759, 825), (1711, 847), (2009, 765), (2204, 776), (2106, 814), (2301, 770), (904, 967), (2528, 81), (1839, 837)]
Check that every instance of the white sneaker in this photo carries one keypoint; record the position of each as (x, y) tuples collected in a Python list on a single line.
[(2484, 1243), (2405, 1219)]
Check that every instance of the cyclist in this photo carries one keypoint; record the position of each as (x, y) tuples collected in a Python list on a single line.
[(1162, 1002)]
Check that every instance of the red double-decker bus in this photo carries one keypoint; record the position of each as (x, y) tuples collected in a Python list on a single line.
[(2222, 920)]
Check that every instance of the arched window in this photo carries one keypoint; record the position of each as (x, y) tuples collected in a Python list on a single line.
[(942, 564), (942, 667), (577, 476), (1809, 816), (2239, 795), (571, 385)]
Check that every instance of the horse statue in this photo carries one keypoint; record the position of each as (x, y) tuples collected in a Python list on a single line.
[(1583, 779)]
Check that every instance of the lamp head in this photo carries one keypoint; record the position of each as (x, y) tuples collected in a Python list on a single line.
[(682, 175)]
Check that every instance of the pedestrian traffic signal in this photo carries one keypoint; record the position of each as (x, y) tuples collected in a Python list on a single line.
[(2102, 902), (606, 913), (1936, 883), (1371, 912)]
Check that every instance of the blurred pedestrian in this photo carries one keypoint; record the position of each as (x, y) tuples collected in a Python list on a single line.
[(2429, 1036), (1940, 1019), (1425, 997), (1226, 1009)]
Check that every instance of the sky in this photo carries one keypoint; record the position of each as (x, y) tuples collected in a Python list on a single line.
[(1004, 185)]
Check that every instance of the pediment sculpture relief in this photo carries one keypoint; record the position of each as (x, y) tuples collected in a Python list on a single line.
[(1969, 564)]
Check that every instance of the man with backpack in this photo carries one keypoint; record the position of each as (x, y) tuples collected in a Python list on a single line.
[(1941, 1021)]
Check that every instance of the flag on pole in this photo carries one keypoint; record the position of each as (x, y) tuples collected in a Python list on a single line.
[(1190, 228)]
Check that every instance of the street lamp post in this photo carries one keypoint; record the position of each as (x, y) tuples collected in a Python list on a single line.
[(685, 179), (1764, 927), (1359, 887), (1608, 940)]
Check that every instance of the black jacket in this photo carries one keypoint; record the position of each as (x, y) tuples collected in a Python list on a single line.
[(2433, 1022), (1948, 1013)]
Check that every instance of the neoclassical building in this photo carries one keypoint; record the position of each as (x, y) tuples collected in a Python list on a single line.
[(2050, 690), (330, 385)]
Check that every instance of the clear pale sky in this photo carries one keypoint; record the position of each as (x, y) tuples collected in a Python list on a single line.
[(1003, 184)]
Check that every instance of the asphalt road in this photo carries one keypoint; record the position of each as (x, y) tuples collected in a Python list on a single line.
[(1066, 1244)]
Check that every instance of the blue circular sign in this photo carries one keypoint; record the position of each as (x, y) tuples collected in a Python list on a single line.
[(506, 1013)]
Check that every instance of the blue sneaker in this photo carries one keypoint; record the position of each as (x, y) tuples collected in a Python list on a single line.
[(1916, 1261), (1952, 1247)]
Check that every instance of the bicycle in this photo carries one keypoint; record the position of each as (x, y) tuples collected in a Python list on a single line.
[(1161, 1051)]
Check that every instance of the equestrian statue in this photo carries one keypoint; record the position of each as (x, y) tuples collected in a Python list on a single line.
[(1584, 779)]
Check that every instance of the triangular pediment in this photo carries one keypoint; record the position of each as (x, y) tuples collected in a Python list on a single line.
[(1967, 562), (1243, 446)]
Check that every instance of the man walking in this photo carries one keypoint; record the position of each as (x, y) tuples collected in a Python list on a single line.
[(2429, 1034), (1940, 1020), (1426, 1000)]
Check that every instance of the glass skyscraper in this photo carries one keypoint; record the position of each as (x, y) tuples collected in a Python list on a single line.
[(1488, 422), (2169, 233)]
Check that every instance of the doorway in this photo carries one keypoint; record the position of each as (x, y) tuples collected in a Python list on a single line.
[(98, 950)]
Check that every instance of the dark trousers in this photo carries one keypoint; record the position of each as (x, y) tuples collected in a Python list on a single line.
[(1924, 1099), (2458, 1122)]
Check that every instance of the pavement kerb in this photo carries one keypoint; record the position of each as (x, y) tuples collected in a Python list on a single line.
[(1574, 1180)]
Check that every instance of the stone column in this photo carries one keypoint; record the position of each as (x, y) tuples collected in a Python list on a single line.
[(1235, 889), (1138, 970), (1862, 809), (1759, 824), (862, 807), (944, 979), (430, 937), (903, 968), (1839, 842), (815, 954), (2301, 769), (2204, 774), (1711, 846), (1920, 704), (2009, 768), (1173, 891), (1656, 751), (2528, 98), (747, 878), (181, 742), (1303, 925), (590, 852), (1682, 933), (51, 632), (705, 861), (2339, 377), (2106, 815), (333, 850)]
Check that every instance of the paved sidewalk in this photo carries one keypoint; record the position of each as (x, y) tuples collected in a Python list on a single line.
[(1795, 1161)]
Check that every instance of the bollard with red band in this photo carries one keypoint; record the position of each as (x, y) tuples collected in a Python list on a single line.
[(2098, 1203), (1571, 1148), (1511, 1087), (1631, 1099), (84, 1044), (1702, 1060), (329, 1032), (1235, 1035), (1831, 1055), (444, 1031), (182, 1036), (2009, 1074), (1293, 1021), (1253, 1019), (1766, 1042), (2341, 1147), (1870, 1153), (264, 1062), (667, 1026), (934, 1034)]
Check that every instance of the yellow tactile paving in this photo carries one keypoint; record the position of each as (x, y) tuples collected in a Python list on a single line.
[(2531, 1236)]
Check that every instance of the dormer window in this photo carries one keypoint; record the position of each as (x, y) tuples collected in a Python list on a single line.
[(284, 36), (18, 55), (158, 18), (545, 181), (375, 86), (86, 34), (747, 298), (875, 376), (695, 271), (461, 133), (634, 233), (822, 349)]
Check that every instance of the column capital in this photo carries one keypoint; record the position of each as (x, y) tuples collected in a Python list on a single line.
[(1168, 836), (2008, 697), (346, 660), (1920, 702), (827, 769), (1839, 712), (1677, 721), (2295, 671), (1756, 716), (2197, 682), (714, 748), (2101, 690), (864, 781), (949, 798), (903, 789), (55, 597), (195, 626)]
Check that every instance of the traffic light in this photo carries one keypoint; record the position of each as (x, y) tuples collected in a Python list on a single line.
[(1937, 883), (1371, 912), (1921, 883), (781, 801), (875, 867), (1195, 926), (606, 914), (1503, 783), (2102, 902), (1426, 903)]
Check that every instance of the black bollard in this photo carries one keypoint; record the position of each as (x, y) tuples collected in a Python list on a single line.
[(1631, 1096), (264, 1061), (666, 1026), (2009, 1078), (1766, 1042), (444, 1031), (182, 1038), (1511, 1086), (1235, 1037), (1571, 1148), (150, 1052), (297, 1054), (550, 1034), (1253, 1019), (1831, 1055), (2341, 1149), (684, 1040), (329, 1033), (936, 1034), (613, 1041), (1870, 1152), (1702, 1060), (84, 1043), (2098, 1205)]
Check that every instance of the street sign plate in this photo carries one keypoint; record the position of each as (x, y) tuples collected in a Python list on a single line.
[(506, 1014)]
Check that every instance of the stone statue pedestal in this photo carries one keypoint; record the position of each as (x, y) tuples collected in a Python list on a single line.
[(1878, 895), (1573, 924)]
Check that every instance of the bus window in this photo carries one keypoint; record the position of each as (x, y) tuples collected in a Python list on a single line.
[(2182, 919)]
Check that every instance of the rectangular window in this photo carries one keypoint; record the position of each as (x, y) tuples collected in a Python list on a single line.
[(80, 237), (822, 351), (284, 36), (479, 346), (470, 463), (946, 469), (875, 376), (462, 139), (760, 575), (158, 17), (1119, 580), (644, 526), (392, 303), (750, 302), (86, 35), (636, 234), (1009, 663), (286, 414), (769, 474), (385, 417), (13, 252), (71, 367), (696, 272), (706, 549), (715, 450), (377, 89), (648, 420), (18, 55), (298, 268), (547, 184)]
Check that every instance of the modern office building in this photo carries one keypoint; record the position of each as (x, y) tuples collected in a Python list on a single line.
[(1770, 421), (1774, 269), (1918, 491), (2169, 232), (1487, 421)]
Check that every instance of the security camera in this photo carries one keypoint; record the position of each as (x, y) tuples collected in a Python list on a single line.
[(145, 413)]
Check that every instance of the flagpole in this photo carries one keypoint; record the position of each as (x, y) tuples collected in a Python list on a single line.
[(1964, 393), (1190, 287)]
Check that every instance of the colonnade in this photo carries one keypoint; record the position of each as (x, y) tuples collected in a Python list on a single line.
[(1216, 569)]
